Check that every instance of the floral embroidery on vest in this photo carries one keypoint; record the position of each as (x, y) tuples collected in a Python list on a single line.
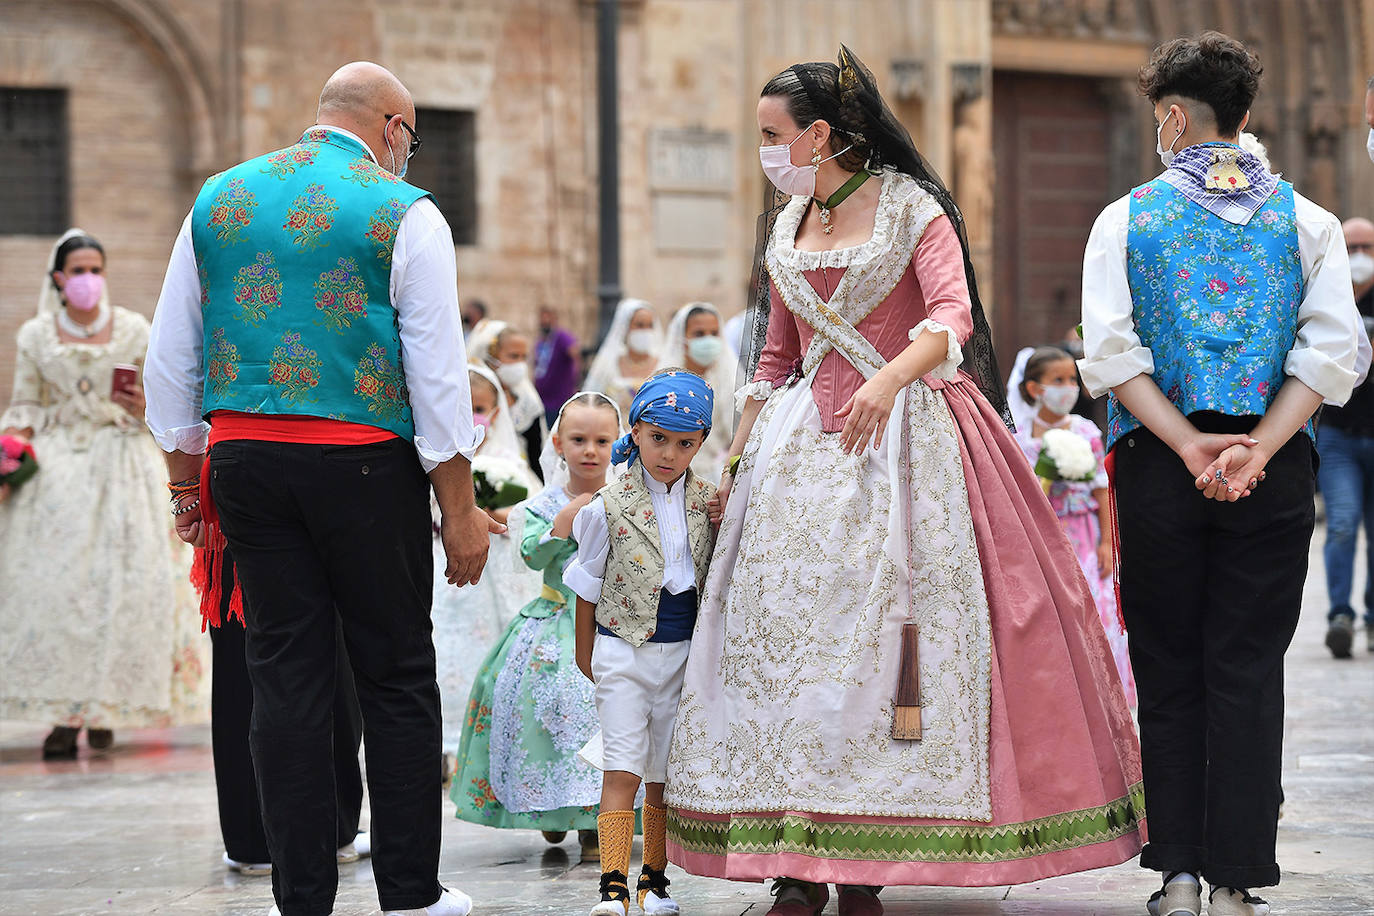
[(315, 135), (381, 228), (204, 276), (294, 368), (222, 368), (341, 295), (382, 384), (285, 162), (1216, 303), (367, 173), (232, 212), (311, 215), (257, 288)]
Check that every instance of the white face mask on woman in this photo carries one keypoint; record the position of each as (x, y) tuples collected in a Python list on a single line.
[(704, 351), (640, 341), (786, 177), (512, 374), (1361, 268)]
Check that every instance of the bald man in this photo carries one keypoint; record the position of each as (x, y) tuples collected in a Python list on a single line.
[(1345, 442), (308, 340)]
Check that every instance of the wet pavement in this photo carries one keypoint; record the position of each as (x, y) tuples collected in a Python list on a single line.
[(135, 831)]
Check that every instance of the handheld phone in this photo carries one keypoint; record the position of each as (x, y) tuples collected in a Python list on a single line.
[(125, 377)]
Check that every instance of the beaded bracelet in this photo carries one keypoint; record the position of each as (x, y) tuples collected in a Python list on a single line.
[(732, 464), (195, 504)]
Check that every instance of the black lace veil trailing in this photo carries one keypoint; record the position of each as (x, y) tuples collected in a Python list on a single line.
[(846, 96)]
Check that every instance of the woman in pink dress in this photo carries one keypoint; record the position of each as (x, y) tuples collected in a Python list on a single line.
[(1050, 387), (878, 485)]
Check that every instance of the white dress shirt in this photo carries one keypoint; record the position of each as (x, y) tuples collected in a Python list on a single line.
[(1330, 332), (424, 292), (585, 571)]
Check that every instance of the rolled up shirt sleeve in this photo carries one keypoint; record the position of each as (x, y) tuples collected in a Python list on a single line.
[(1325, 356), (173, 372), (1112, 351), (424, 290), (586, 570)]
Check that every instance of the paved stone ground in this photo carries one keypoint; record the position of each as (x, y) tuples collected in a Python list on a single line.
[(135, 831)]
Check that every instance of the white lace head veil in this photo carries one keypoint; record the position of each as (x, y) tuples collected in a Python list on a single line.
[(501, 440), (606, 365), (555, 468), (49, 297), (1022, 414), (721, 374), (528, 406)]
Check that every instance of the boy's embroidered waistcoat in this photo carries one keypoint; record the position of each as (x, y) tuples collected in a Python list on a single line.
[(294, 252), (634, 567), (1216, 303)]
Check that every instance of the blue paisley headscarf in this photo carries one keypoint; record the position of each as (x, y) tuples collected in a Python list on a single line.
[(673, 399)]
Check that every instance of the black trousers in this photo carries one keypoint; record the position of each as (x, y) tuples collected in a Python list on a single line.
[(1211, 593), (236, 785), (328, 539)]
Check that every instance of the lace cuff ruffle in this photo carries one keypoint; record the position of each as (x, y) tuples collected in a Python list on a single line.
[(759, 391), (954, 354), (24, 416)]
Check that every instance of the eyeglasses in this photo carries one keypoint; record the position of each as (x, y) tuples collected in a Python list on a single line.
[(414, 138)]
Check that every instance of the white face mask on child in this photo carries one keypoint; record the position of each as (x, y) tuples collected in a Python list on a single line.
[(1059, 399)]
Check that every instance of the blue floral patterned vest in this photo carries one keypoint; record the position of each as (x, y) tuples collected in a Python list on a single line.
[(1216, 303), (294, 252)]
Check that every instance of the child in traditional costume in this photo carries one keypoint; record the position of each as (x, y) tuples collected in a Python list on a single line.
[(469, 620), (643, 546), (530, 710), (1049, 386)]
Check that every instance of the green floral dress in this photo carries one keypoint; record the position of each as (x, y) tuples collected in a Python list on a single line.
[(530, 709)]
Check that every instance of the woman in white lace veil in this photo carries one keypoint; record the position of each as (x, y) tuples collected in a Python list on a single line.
[(491, 343), (695, 342), (628, 353), (126, 650)]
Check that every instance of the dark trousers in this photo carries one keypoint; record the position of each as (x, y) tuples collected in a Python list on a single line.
[(236, 785), (329, 538), (1211, 593)]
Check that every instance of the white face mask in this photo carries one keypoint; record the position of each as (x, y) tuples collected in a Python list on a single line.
[(1166, 156), (512, 374), (640, 341), (1059, 399), (1361, 268), (786, 177), (1369, 144), (704, 351)]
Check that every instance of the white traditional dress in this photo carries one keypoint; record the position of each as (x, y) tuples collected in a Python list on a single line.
[(101, 626), (782, 762)]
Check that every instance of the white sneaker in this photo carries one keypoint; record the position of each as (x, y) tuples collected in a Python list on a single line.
[(450, 903), (347, 854), (611, 908), (251, 869), (1231, 901), (1180, 896), (654, 905), (363, 844)]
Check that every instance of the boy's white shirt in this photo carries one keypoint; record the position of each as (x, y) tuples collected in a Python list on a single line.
[(586, 571)]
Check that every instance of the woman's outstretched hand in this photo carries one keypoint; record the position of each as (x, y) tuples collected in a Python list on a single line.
[(865, 415)]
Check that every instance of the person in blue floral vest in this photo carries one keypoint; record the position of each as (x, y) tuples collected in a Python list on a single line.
[(1217, 313), (306, 379)]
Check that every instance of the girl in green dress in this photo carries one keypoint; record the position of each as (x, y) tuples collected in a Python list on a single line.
[(530, 709)]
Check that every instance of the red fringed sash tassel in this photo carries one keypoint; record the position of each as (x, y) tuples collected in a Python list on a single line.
[(210, 570)]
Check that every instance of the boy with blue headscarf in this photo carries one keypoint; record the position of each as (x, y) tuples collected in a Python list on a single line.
[(644, 545)]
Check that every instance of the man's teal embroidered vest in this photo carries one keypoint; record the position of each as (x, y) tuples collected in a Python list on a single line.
[(1216, 303), (294, 252)]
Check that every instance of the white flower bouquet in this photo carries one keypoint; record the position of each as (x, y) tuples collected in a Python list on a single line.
[(1065, 456), (496, 483)]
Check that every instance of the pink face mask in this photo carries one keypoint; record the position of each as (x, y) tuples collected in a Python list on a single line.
[(83, 291), (482, 420)]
